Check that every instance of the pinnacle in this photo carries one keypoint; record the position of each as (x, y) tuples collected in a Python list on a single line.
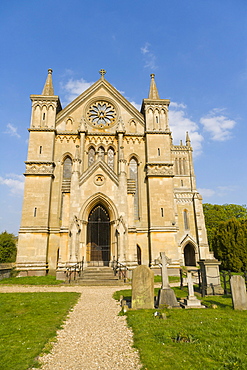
[(153, 91), (48, 87)]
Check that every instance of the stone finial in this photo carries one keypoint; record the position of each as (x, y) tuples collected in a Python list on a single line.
[(188, 142), (48, 87), (153, 91), (102, 72)]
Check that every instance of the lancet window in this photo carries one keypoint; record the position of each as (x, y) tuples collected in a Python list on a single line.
[(67, 168), (186, 220), (101, 153), (110, 158), (133, 174), (91, 156)]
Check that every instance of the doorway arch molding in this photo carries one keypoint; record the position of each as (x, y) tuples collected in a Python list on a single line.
[(188, 240), (95, 199)]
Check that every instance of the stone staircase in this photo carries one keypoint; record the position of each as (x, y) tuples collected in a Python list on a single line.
[(99, 276)]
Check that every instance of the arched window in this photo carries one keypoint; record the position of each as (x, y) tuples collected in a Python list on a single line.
[(133, 174), (110, 158), (139, 254), (186, 220), (101, 153), (67, 168), (91, 156)]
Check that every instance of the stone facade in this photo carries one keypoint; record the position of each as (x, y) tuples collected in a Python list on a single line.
[(104, 181)]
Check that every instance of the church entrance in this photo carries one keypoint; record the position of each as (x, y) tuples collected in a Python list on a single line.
[(189, 255), (98, 237)]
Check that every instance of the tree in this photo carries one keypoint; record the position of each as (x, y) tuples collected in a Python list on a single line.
[(230, 244), (214, 214), (7, 247)]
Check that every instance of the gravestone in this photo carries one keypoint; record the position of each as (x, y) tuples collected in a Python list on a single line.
[(191, 301), (166, 294), (142, 288), (238, 288)]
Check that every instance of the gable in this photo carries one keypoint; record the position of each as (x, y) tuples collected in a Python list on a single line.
[(100, 109)]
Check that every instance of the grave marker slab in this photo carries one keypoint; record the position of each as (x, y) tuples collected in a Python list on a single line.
[(239, 296), (142, 288)]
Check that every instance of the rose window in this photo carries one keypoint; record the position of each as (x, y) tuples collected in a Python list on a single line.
[(101, 114)]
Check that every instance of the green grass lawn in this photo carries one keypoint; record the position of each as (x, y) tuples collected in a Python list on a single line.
[(191, 339), (172, 279), (32, 280), (28, 324)]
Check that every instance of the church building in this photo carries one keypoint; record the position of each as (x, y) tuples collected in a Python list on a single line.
[(104, 182)]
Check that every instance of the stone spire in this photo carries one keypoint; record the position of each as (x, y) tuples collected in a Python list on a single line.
[(153, 91), (188, 143), (48, 88)]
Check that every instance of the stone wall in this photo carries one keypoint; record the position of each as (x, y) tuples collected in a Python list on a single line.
[(6, 269)]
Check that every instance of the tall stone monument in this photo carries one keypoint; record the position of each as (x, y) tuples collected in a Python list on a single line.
[(166, 294), (142, 288)]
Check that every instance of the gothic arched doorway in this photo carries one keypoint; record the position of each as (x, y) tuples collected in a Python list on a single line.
[(189, 255), (98, 236)]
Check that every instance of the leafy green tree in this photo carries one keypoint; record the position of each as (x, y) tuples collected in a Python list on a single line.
[(7, 247), (230, 244), (214, 214)]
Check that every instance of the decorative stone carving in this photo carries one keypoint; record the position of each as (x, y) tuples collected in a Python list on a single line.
[(105, 140), (39, 168), (159, 169), (101, 114), (133, 139), (64, 137), (184, 197), (99, 180)]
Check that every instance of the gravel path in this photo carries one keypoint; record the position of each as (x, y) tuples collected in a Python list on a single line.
[(93, 337)]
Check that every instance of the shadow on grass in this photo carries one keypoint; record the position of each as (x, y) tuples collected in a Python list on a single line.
[(223, 301)]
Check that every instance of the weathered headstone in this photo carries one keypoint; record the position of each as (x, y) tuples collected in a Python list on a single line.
[(166, 294), (191, 301), (239, 296), (142, 288)]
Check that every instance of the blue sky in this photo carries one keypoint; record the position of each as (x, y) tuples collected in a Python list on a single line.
[(196, 48)]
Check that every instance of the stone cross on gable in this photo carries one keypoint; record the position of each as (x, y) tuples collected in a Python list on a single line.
[(102, 72)]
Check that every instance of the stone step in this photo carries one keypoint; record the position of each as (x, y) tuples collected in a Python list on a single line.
[(99, 276), (88, 282), (98, 268)]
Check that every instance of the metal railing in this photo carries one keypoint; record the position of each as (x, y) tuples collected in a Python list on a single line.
[(74, 271), (225, 277), (119, 269)]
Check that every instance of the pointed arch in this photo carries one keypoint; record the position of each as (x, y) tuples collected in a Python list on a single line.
[(98, 235), (101, 153), (67, 168), (133, 175), (139, 254), (189, 251), (189, 255), (110, 157), (91, 155), (92, 201)]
